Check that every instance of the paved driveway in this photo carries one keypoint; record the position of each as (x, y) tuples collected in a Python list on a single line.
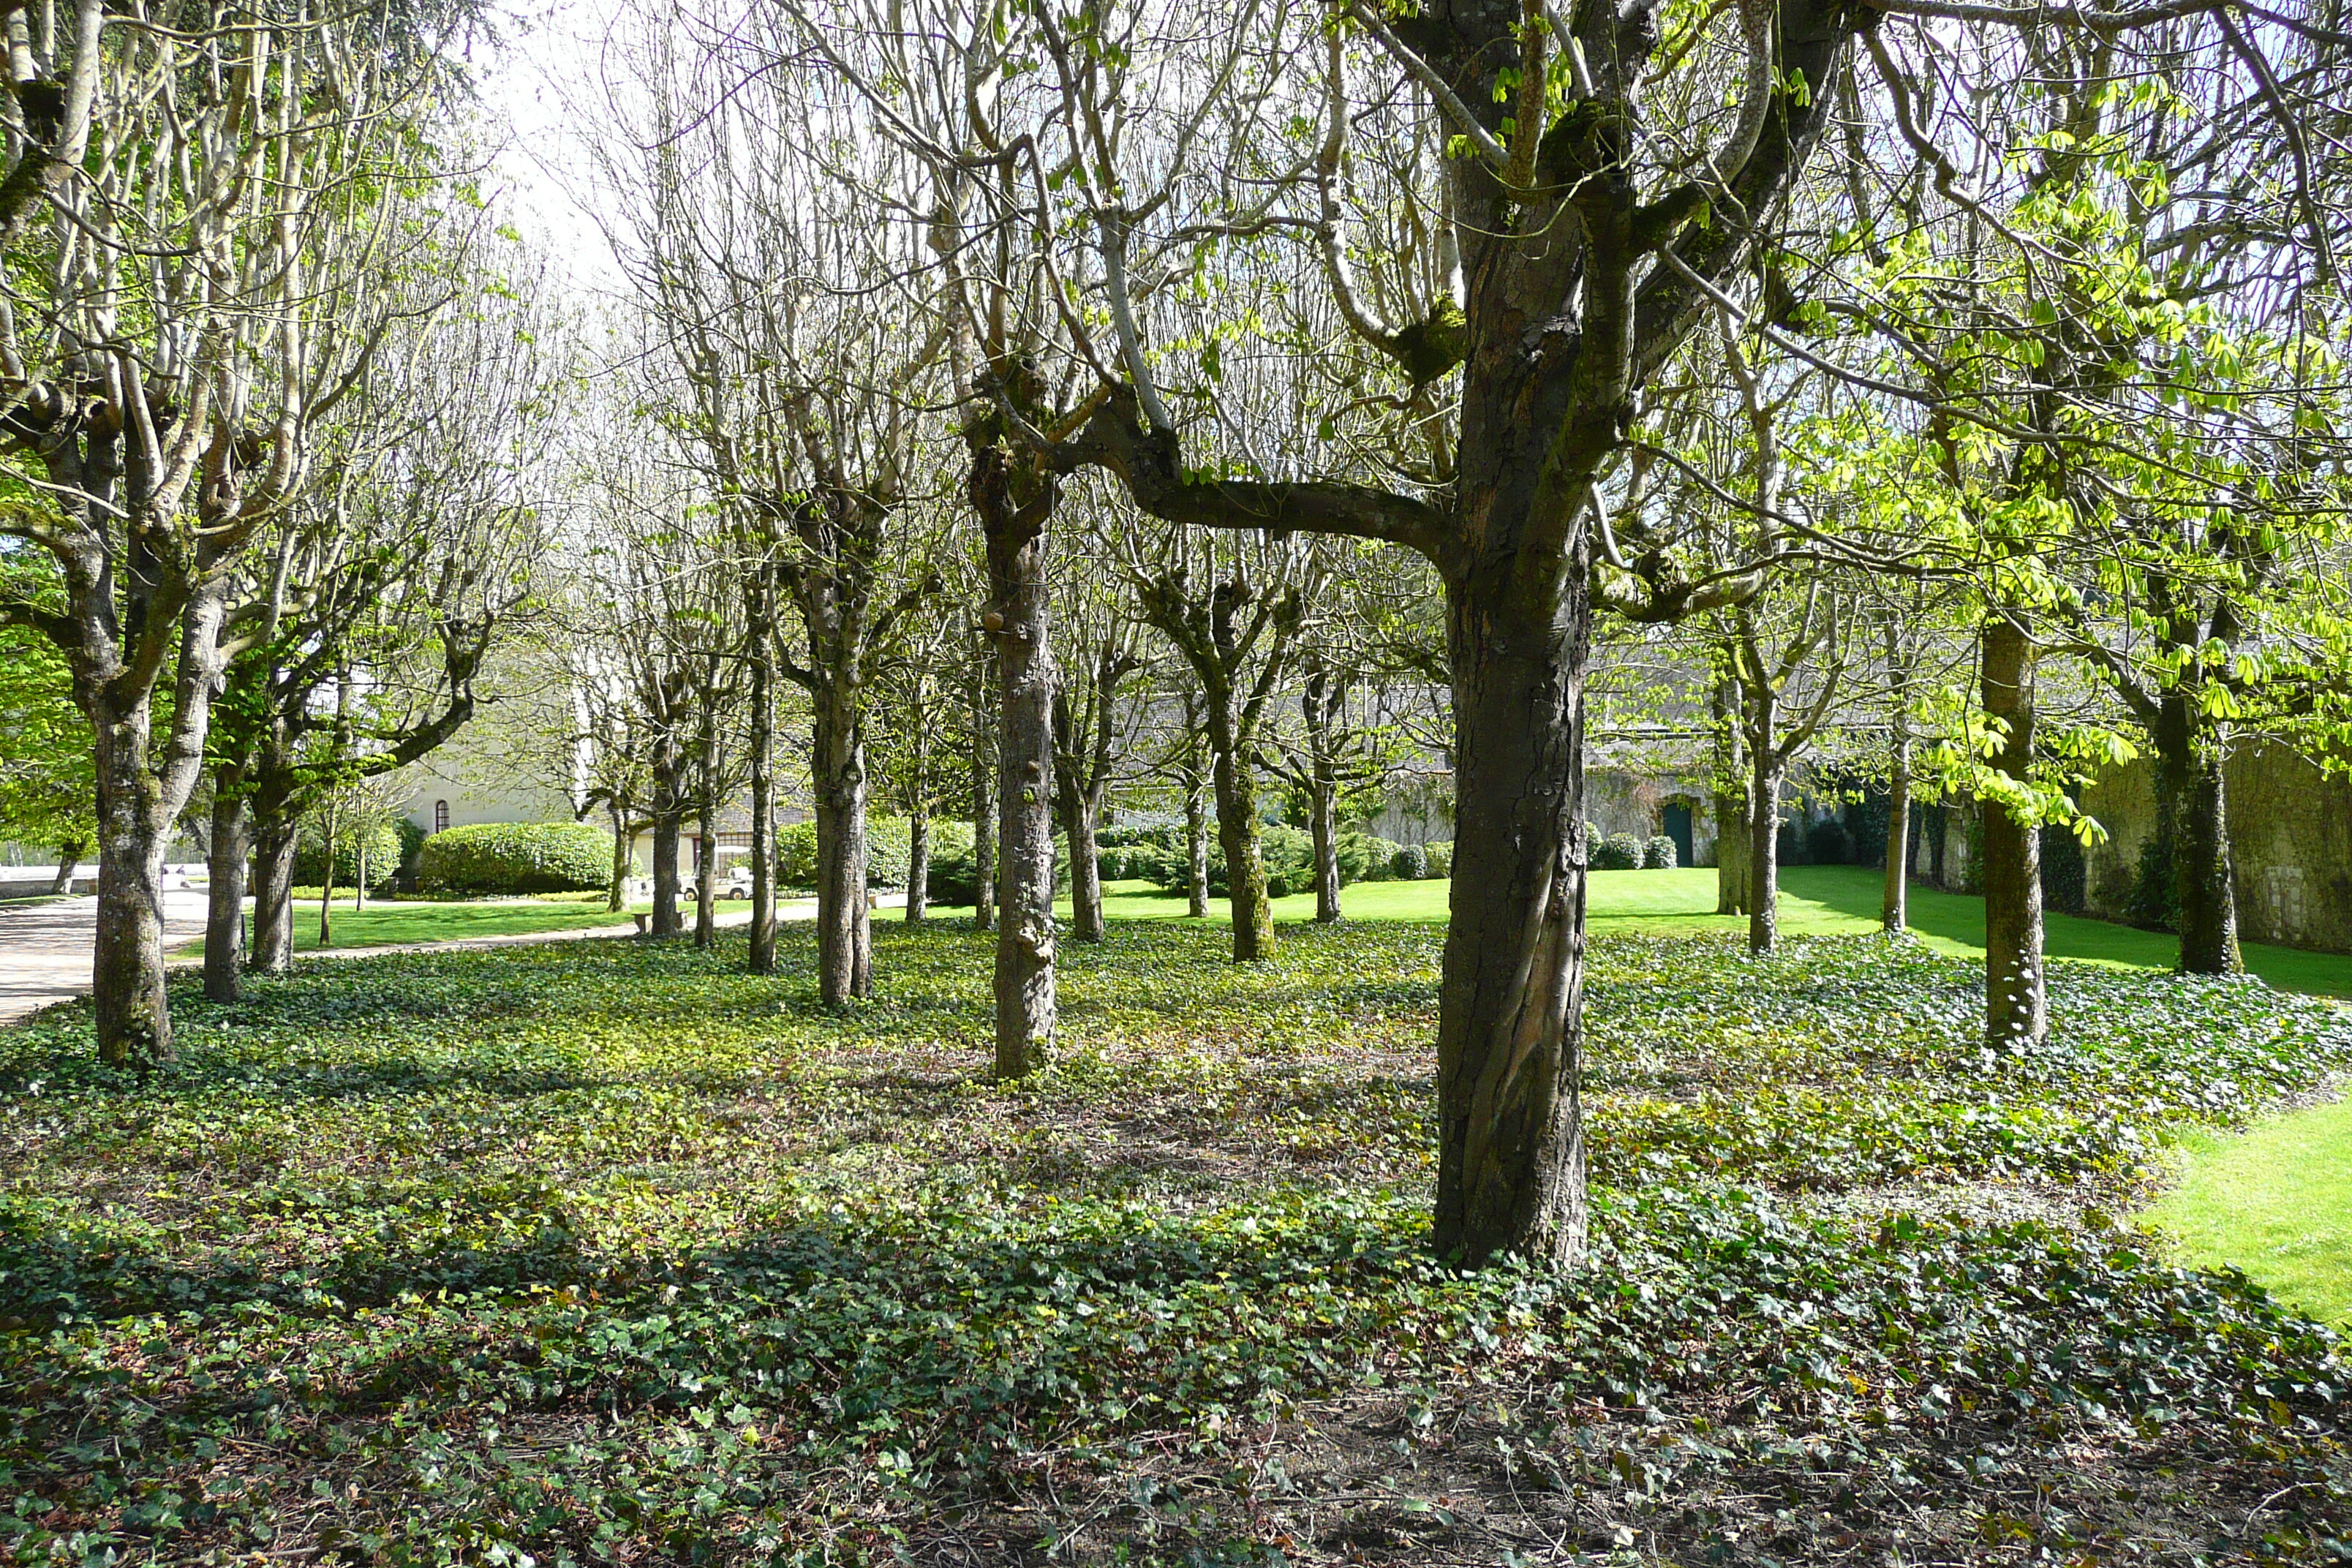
[(45, 948)]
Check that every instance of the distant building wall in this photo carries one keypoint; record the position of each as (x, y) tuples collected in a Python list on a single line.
[(2290, 840)]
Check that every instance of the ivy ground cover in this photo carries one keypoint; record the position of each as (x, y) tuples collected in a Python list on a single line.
[(607, 1252)]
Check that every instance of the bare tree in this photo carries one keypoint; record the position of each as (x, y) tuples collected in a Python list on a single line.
[(197, 213)]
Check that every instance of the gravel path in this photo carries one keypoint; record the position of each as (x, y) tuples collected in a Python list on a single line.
[(45, 947)]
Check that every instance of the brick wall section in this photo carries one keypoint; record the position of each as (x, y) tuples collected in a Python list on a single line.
[(2290, 837)]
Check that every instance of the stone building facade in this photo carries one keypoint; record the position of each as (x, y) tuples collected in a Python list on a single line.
[(2290, 839)]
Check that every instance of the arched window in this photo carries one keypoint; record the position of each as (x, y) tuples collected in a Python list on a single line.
[(440, 816)]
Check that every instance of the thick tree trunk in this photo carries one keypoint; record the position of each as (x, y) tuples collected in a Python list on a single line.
[(69, 854), (919, 864), (706, 876), (273, 892), (2193, 807), (2016, 1004), (1014, 506), (616, 896), (1511, 1148), (760, 613), (232, 846), (1239, 835), (669, 827), (1894, 904), (134, 1023), (844, 930), (1323, 813), (1086, 867), (1196, 848), (1767, 770), (1764, 851), (1734, 825)]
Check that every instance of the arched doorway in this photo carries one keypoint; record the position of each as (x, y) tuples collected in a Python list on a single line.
[(1677, 826)]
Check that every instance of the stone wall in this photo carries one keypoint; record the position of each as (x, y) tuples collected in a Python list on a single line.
[(2290, 837)]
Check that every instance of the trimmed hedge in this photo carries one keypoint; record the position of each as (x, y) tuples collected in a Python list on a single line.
[(517, 858), (1659, 854)]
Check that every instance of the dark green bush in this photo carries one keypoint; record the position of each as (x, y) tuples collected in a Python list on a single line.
[(1364, 858), (1658, 854), (1410, 863), (1617, 852), (1827, 843), (1287, 853), (517, 858), (1441, 857), (310, 856)]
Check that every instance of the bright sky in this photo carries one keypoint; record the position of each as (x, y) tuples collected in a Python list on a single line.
[(545, 82)]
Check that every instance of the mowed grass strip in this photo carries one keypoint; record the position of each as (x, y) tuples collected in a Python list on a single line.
[(2276, 1201)]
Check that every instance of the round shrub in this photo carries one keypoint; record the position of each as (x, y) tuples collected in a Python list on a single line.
[(310, 856), (1658, 854), (1440, 854), (1617, 852), (1410, 863), (1364, 857), (1277, 887), (517, 858)]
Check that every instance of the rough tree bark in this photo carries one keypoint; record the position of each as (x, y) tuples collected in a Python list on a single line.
[(918, 862), (760, 631), (844, 937), (1014, 499), (2016, 1004), (69, 854), (2192, 798), (230, 851), (1579, 286)]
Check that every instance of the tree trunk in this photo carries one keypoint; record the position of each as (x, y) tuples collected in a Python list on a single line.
[(1767, 770), (1196, 848), (2193, 807), (1734, 824), (983, 796), (617, 898), (1013, 505), (2017, 1008), (1323, 811), (232, 846), (69, 854), (845, 932), (669, 827), (760, 616), (1086, 867), (1764, 848), (705, 878), (1511, 1146), (919, 864), (1239, 835), (1893, 905), (134, 1022), (327, 886), (274, 838), (1734, 821)]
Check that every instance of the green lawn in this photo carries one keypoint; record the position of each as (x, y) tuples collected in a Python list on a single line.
[(1815, 900), (2276, 1201), (391, 924)]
